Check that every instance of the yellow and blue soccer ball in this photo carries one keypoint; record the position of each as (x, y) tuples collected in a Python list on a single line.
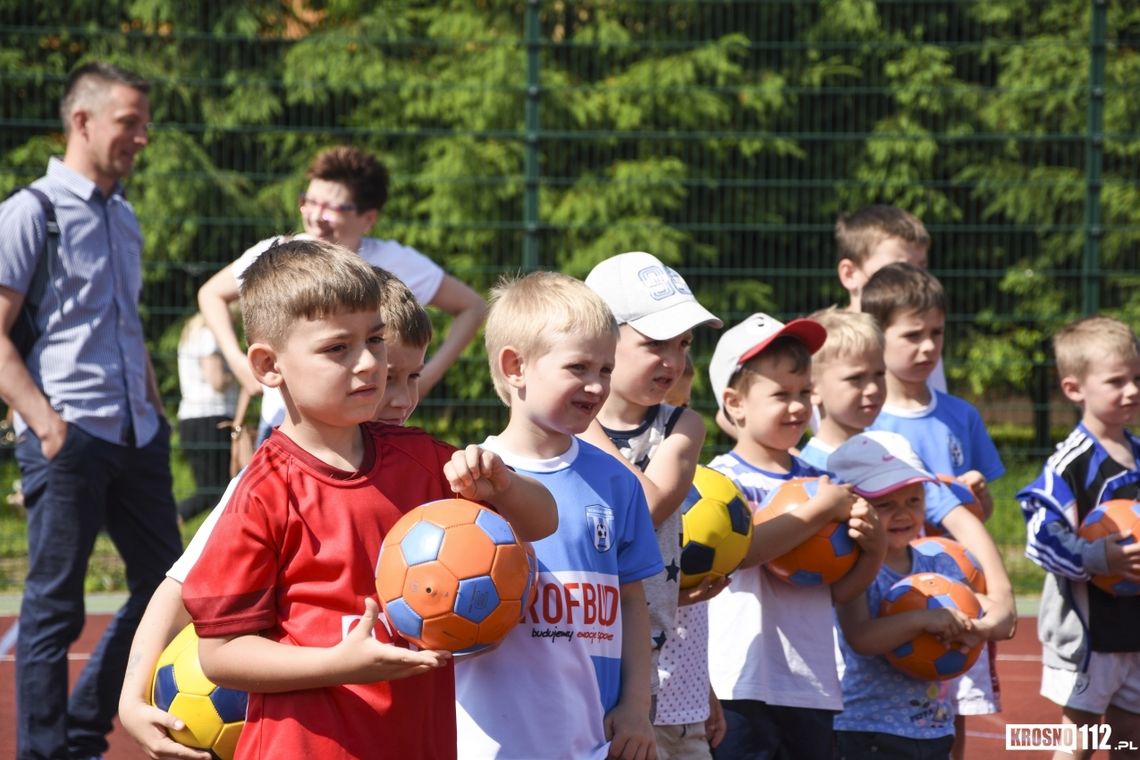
[(716, 528), (453, 575), (214, 715)]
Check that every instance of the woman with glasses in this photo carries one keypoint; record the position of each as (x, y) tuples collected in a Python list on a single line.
[(347, 190)]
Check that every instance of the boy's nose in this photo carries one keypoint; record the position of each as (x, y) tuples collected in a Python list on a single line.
[(596, 385)]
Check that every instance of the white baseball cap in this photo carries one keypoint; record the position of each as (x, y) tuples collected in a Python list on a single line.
[(648, 296), (741, 342), (877, 462)]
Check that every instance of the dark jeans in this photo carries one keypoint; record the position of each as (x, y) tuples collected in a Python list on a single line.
[(759, 731), (871, 745), (91, 485), (206, 448)]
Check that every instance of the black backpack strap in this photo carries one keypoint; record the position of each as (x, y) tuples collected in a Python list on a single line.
[(24, 331)]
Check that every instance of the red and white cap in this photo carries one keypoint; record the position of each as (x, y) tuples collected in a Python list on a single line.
[(877, 462), (648, 296), (741, 342)]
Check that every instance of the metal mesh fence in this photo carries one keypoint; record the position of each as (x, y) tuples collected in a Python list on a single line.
[(725, 137)]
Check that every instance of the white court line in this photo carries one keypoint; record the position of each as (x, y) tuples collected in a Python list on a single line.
[(9, 639), (1019, 657), (985, 735)]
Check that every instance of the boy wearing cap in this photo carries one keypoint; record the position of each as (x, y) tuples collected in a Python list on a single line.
[(772, 662), (887, 713), (660, 443)]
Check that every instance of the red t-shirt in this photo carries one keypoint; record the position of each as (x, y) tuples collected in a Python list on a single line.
[(293, 558)]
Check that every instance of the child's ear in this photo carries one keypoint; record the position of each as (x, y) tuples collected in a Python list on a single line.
[(263, 362), (733, 403), (816, 399), (1071, 387), (511, 366), (848, 272)]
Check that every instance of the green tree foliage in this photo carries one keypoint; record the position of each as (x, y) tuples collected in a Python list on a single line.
[(724, 137)]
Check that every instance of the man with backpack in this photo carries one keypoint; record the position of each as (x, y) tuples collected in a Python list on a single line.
[(93, 441)]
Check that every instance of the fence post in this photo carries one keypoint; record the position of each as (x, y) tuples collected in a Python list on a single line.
[(1094, 160), (530, 155)]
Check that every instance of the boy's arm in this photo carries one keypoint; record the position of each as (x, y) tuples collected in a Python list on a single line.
[(165, 616), (481, 475), (865, 528), (872, 636), (468, 310), (782, 533), (1050, 540), (253, 663), (214, 299), (669, 474), (627, 725), (1000, 621)]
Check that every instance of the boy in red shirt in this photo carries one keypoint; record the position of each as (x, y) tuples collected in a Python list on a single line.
[(283, 596)]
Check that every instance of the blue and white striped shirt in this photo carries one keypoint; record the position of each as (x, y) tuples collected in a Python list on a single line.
[(91, 358)]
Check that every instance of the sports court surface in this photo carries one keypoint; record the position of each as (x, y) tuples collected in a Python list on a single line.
[(1019, 667)]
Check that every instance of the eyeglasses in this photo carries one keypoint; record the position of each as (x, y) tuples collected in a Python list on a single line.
[(339, 208)]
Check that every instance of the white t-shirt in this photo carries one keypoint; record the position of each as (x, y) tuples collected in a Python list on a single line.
[(181, 567), (545, 690), (199, 398), (422, 276), (769, 640)]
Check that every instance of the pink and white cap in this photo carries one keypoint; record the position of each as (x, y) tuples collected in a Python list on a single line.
[(877, 462), (745, 340)]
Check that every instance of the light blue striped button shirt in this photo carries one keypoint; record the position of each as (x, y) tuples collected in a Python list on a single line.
[(90, 360)]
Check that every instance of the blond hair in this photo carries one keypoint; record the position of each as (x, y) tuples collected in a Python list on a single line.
[(531, 312), (849, 334), (1079, 345), (857, 234), (404, 318), (303, 279)]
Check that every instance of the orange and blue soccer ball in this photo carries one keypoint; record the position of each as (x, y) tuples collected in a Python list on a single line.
[(926, 657), (716, 527), (453, 575), (214, 715), (824, 557), (971, 569), (1112, 518)]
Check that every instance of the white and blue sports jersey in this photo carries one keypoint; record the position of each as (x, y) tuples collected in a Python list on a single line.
[(563, 661), (948, 435), (816, 453), (878, 697), (1077, 477), (771, 641)]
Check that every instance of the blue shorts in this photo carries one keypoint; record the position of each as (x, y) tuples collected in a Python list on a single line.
[(760, 731)]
